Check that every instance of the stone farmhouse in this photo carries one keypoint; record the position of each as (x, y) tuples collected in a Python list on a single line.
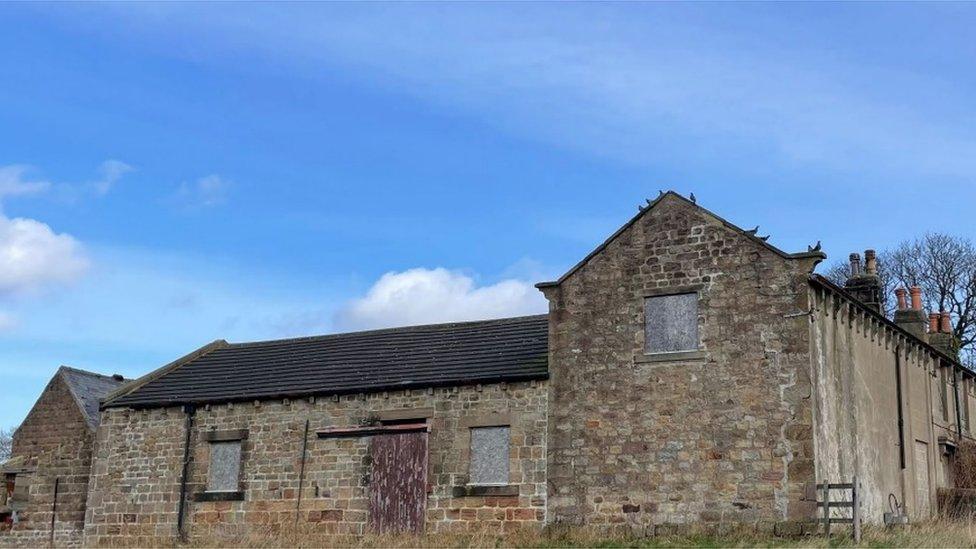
[(688, 374)]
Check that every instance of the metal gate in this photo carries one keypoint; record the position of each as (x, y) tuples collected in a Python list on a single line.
[(398, 482)]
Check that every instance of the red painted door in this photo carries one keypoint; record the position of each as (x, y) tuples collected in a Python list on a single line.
[(398, 482)]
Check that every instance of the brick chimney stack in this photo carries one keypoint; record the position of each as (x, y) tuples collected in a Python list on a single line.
[(911, 317), (942, 337), (865, 285)]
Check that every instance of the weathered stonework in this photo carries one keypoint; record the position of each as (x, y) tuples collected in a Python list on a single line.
[(786, 380), (720, 435), (56, 445), (135, 485)]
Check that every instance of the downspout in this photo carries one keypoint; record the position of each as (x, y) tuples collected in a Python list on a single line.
[(901, 416), (190, 411), (301, 474), (54, 507), (955, 394)]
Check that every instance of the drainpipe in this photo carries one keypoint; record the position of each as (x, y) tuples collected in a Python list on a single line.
[(901, 417), (54, 507), (301, 474), (190, 411), (955, 394)]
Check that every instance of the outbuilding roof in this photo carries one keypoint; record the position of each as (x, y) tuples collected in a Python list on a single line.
[(88, 388), (509, 349)]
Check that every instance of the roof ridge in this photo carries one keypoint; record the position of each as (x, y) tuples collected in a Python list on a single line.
[(89, 373), (650, 206), (135, 384), (386, 330)]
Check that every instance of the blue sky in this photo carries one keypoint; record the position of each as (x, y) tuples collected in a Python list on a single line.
[(172, 174)]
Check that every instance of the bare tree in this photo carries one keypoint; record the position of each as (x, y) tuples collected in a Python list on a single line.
[(6, 443), (944, 267)]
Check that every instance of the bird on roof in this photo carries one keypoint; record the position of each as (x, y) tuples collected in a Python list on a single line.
[(692, 198), (752, 232), (814, 248)]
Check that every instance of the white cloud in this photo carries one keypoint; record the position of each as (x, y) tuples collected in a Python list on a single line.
[(424, 296), (14, 183), (111, 171), (33, 257), (206, 191)]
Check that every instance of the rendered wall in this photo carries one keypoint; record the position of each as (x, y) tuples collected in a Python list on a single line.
[(854, 362)]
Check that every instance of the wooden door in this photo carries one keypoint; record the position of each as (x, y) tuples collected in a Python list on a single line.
[(398, 482)]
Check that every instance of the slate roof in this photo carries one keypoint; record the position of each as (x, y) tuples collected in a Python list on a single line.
[(89, 389), (509, 349)]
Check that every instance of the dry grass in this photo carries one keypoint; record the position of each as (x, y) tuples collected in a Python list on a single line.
[(955, 533), (964, 466)]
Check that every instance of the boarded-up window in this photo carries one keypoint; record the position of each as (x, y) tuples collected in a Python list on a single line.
[(225, 466), (671, 323), (489, 455)]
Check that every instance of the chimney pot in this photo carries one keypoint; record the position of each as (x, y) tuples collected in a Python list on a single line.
[(946, 327), (870, 262), (916, 293), (902, 294), (933, 323), (855, 265)]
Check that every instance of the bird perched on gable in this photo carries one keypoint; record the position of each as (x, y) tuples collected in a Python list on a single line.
[(693, 199)]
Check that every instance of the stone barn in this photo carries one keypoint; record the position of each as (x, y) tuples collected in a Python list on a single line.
[(688, 374), (42, 500)]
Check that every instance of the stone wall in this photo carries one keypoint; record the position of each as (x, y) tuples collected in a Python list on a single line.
[(135, 483), (56, 441), (641, 443)]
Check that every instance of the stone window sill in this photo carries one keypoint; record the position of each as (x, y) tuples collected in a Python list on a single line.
[(219, 496), (473, 490), (678, 356)]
